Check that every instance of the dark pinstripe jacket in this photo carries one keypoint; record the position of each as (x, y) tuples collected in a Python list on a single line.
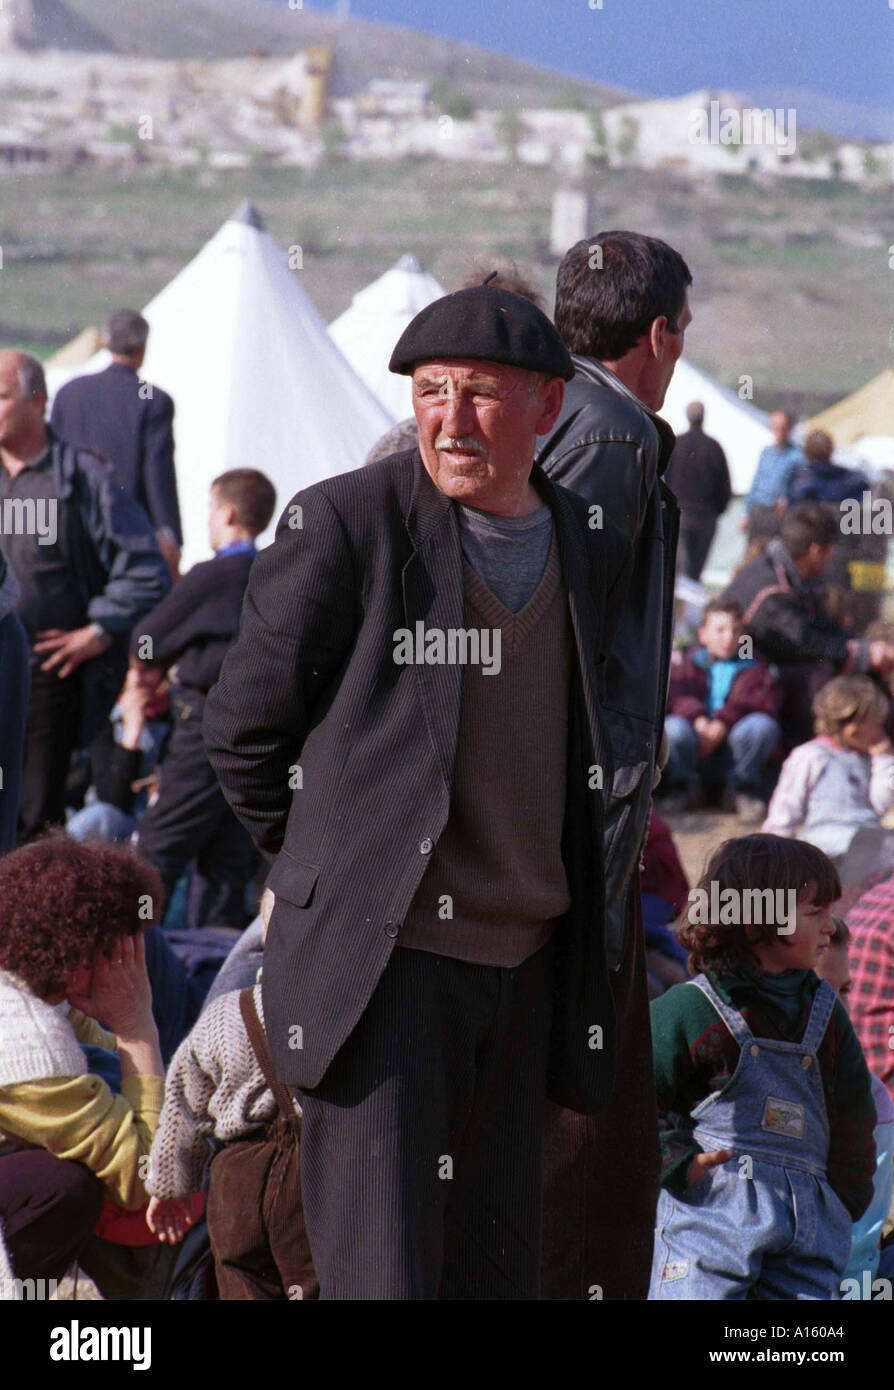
[(340, 762)]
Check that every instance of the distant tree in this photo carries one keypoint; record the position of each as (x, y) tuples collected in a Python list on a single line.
[(817, 144), (599, 153), (627, 137), (450, 101), (459, 106), (872, 165), (569, 98), (511, 129), (332, 134)]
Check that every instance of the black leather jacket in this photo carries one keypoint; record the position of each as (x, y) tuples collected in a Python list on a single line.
[(612, 450)]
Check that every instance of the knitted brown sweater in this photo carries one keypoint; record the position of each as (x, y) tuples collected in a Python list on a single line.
[(496, 881)]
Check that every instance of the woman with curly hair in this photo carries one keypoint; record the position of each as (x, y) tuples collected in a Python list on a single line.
[(72, 951), (767, 1135)]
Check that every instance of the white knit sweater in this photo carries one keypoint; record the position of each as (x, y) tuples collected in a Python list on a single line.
[(214, 1087), (36, 1039)]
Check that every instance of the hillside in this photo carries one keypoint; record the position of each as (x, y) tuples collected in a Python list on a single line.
[(194, 29), (790, 287)]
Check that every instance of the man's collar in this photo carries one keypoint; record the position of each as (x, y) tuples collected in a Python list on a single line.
[(40, 458), (237, 547), (597, 371), (591, 370)]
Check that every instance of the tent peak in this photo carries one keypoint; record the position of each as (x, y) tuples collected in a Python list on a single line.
[(410, 263), (248, 214)]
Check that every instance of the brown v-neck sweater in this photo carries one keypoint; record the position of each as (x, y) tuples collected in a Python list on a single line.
[(496, 882)]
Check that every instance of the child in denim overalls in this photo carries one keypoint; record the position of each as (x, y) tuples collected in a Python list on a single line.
[(768, 1143)]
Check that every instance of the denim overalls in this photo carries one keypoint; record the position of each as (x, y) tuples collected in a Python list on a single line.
[(766, 1223)]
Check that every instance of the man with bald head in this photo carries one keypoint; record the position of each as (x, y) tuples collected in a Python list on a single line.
[(409, 725), (88, 567)]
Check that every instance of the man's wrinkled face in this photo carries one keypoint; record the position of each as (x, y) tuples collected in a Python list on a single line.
[(478, 425)]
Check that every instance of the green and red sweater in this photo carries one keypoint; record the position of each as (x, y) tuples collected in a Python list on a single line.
[(695, 1055)]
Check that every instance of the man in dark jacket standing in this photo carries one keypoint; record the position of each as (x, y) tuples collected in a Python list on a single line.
[(88, 567), (698, 476), (409, 723), (131, 423), (622, 309)]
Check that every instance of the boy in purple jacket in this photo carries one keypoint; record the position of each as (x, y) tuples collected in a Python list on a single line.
[(722, 711)]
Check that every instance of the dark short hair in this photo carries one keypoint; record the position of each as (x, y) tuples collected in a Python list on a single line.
[(126, 332), (806, 524), (603, 313), (62, 900), (755, 862), (722, 605), (251, 493), (818, 444)]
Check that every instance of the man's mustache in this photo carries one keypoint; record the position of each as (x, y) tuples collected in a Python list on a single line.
[(463, 444)]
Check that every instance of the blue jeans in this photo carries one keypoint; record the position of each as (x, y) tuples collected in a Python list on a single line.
[(100, 821), (740, 760), (766, 1223)]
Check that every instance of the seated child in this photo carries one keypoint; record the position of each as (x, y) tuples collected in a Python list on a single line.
[(833, 790), (721, 724), (767, 1110), (862, 1266), (222, 1085)]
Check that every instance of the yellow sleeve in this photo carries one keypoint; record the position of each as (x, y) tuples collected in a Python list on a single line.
[(78, 1117), (87, 1030)]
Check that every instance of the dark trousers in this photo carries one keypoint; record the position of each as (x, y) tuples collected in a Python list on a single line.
[(421, 1148), (694, 545), (48, 1209), (191, 820), (51, 733), (601, 1171)]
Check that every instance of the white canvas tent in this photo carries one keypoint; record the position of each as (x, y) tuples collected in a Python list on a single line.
[(256, 379), (369, 328), (739, 427)]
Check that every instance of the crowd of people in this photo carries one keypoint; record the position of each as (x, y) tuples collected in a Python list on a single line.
[(328, 974)]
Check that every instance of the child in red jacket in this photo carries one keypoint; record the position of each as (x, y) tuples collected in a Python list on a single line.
[(721, 725)]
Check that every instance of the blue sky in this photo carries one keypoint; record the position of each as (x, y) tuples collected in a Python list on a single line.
[(838, 49)]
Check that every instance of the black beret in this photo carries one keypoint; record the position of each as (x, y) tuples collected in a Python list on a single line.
[(487, 324)]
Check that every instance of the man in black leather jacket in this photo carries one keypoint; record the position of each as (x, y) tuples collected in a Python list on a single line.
[(622, 309)]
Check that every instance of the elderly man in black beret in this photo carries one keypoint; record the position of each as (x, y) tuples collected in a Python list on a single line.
[(409, 725)]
